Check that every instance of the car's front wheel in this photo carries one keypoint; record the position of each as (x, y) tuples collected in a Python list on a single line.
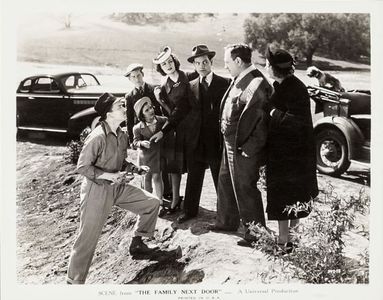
[(331, 152)]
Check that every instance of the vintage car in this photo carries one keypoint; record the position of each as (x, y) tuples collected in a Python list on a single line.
[(343, 133), (59, 103)]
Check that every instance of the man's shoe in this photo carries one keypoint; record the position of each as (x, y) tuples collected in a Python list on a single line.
[(183, 218), (216, 227), (138, 247)]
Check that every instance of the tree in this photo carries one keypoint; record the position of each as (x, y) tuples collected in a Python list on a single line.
[(338, 36)]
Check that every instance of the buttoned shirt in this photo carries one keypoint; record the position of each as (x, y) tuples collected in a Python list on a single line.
[(208, 78), (103, 151)]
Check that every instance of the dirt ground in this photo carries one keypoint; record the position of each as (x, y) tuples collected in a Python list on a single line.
[(48, 219)]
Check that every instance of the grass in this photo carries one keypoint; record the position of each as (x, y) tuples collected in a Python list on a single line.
[(95, 40)]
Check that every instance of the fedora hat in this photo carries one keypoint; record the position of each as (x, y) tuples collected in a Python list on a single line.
[(200, 50), (133, 67), (140, 104), (163, 55)]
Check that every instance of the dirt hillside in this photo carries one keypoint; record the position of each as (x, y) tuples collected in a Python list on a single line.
[(48, 219)]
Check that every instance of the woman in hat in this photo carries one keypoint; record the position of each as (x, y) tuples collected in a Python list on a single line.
[(149, 153), (291, 164), (174, 97)]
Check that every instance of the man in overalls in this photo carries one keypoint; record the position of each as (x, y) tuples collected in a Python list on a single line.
[(104, 185)]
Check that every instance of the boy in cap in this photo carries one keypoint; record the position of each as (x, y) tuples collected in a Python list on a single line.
[(135, 74), (104, 185)]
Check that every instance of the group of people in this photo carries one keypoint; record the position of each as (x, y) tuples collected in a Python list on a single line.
[(192, 122)]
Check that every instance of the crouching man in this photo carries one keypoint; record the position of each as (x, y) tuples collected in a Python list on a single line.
[(104, 185)]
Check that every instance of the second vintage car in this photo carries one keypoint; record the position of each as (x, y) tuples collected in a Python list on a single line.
[(343, 133), (59, 102)]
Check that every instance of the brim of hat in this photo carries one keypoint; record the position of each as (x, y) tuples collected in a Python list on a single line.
[(162, 58), (210, 54)]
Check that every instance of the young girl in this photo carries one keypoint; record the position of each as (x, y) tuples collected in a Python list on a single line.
[(149, 151)]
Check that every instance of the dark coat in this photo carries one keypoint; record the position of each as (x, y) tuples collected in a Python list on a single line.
[(291, 161), (205, 129), (177, 96), (131, 98)]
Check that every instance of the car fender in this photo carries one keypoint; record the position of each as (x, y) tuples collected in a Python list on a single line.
[(349, 129), (79, 121)]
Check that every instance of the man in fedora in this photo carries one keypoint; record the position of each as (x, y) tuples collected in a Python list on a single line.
[(104, 184), (208, 89), (244, 128), (135, 74)]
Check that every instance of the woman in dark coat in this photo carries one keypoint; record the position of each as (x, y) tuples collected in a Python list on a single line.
[(174, 97), (291, 165)]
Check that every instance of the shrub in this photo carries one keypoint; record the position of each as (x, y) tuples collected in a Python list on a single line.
[(74, 147), (320, 257)]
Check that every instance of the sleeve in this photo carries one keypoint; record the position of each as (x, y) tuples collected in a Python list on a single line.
[(256, 142), (294, 115), (137, 137), (180, 110), (129, 116), (88, 157)]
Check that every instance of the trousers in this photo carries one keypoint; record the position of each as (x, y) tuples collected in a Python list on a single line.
[(238, 196), (96, 202)]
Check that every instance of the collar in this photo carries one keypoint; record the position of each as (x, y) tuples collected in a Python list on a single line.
[(141, 87), (209, 78), (244, 73), (107, 129)]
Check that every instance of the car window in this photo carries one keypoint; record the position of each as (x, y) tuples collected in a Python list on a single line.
[(45, 85), (26, 86), (79, 81), (89, 80)]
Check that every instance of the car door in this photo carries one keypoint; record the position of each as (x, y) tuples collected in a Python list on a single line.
[(47, 106)]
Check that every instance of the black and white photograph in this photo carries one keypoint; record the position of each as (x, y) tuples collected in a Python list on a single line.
[(191, 151)]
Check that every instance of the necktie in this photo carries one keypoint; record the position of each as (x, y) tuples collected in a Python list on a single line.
[(204, 83), (140, 91)]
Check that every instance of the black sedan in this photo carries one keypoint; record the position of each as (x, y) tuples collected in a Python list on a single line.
[(59, 103)]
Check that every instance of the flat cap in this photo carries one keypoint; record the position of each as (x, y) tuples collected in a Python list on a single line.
[(133, 67)]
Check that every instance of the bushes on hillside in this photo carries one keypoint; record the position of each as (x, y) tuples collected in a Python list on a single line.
[(320, 257), (74, 147)]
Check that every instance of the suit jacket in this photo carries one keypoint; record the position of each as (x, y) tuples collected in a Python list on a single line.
[(131, 98), (209, 132), (251, 131)]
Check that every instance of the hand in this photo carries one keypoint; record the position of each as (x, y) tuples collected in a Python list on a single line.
[(268, 107), (114, 178), (145, 144), (156, 137), (143, 170), (157, 91)]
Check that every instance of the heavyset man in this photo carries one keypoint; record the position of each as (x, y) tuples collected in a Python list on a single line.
[(244, 128)]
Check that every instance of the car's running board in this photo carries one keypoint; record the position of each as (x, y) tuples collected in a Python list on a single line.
[(366, 164), (42, 129)]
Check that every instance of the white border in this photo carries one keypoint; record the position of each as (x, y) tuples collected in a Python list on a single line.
[(12, 12)]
